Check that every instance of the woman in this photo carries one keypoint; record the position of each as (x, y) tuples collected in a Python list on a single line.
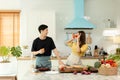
[(78, 47)]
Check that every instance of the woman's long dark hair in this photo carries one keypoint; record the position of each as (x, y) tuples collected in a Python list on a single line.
[(82, 40)]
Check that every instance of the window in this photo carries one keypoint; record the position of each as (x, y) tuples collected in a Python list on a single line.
[(9, 28)]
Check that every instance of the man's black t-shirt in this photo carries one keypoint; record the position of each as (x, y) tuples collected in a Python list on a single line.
[(47, 44)]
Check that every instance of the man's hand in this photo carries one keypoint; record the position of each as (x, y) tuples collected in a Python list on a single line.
[(41, 51)]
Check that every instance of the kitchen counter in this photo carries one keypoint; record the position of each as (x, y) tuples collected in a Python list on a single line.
[(25, 72), (67, 76)]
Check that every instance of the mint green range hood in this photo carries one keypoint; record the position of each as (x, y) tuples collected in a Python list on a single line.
[(79, 22)]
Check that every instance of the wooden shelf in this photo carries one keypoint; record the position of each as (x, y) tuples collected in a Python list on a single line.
[(8, 78)]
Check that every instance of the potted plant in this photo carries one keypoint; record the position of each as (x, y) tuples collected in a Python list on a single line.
[(8, 60), (6, 52), (16, 51)]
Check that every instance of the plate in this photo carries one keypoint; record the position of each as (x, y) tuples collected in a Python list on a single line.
[(52, 72)]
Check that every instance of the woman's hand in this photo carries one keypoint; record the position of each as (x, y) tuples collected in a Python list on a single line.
[(61, 63), (73, 36), (78, 36)]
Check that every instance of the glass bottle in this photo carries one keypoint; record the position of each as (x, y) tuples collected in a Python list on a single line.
[(96, 51), (108, 23), (89, 39)]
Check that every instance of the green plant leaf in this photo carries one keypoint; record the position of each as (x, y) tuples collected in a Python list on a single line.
[(114, 57), (16, 51), (4, 51)]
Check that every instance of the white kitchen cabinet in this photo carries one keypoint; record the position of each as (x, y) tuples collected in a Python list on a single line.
[(8, 68), (24, 66), (8, 71), (89, 61)]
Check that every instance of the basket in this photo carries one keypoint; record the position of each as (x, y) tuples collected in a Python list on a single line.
[(108, 71)]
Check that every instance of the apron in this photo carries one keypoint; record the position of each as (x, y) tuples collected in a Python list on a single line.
[(43, 61), (73, 60)]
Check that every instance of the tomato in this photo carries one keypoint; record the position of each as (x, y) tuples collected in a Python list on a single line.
[(102, 61), (62, 69), (107, 61), (76, 36), (111, 61), (114, 65)]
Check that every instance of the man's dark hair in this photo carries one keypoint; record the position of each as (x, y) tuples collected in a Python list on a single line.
[(42, 27)]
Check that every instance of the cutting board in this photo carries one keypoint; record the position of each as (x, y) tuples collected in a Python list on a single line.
[(70, 69)]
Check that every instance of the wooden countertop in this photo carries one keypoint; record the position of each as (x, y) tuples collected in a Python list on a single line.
[(29, 58), (63, 58)]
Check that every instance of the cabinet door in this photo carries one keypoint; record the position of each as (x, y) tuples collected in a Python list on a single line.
[(24, 67)]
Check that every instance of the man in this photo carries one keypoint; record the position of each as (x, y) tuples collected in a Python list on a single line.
[(42, 48)]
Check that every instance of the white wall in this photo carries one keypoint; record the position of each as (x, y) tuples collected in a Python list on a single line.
[(98, 11), (118, 13), (9, 4)]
